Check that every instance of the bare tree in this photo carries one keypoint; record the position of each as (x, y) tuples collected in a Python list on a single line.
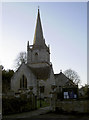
[(72, 75), (22, 57)]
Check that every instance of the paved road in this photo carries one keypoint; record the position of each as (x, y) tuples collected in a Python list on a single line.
[(44, 113), (62, 116), (29, 114)]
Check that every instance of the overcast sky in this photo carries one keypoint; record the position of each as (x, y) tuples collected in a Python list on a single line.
[(64, 29)]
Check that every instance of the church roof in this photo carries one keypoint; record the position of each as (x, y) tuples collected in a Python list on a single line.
[(63, 80), (38, 37), (41, 73)]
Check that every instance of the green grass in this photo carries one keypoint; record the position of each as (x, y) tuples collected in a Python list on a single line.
[(43, 103)]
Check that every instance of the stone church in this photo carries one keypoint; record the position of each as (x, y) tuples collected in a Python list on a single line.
[(38, 71)]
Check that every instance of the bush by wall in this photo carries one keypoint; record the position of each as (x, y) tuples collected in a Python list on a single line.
[(13, 105)]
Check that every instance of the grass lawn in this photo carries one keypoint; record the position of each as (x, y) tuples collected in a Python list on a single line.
[(43, 103)]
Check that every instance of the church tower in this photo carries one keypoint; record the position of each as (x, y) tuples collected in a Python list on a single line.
[(39, 52), (38, 72)]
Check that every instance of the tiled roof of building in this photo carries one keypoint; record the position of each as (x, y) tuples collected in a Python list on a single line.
[(41, 73), (61, 78)]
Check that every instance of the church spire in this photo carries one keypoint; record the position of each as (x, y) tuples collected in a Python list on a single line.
[(38, 37)]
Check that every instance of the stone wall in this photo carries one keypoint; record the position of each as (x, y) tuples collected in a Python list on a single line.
[(73, 106), (31, 79), (38, 55)]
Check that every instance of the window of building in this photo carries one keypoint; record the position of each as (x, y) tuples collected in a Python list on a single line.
[(36, 56), (23, 82)]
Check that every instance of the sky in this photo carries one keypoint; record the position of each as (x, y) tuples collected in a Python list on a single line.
[(87, 44), (64, 27)]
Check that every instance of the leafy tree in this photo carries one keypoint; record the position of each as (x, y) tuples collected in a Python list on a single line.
[(84, 91), (22, 57), (72, 75), (6, 79), (87, 91)]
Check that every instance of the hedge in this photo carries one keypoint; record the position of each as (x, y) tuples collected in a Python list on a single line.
[(17, 105)]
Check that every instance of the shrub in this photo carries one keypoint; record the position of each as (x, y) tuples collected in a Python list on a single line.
[(16, 105)]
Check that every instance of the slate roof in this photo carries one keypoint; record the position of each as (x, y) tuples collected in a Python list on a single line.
[(41, 73), (63, 80)]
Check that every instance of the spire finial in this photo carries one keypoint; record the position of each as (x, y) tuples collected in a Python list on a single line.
[(61, 71), (28, 45), (38, 7)]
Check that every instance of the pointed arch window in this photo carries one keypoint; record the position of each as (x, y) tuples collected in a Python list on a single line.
[(36, 56), (23, 82)]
